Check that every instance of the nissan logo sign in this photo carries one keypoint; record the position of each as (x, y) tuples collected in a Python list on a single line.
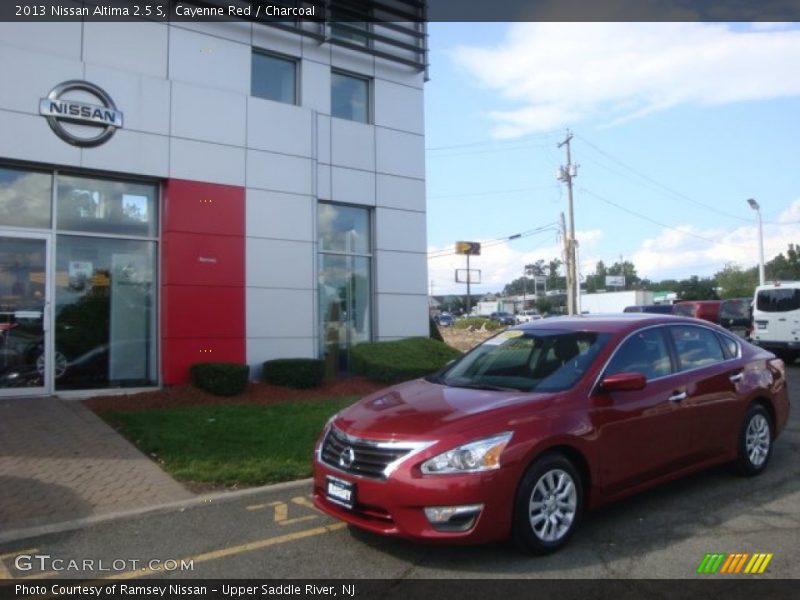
[(347, 458), (62, 107)]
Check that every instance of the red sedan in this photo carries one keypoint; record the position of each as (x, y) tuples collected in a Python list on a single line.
[(547, 419)]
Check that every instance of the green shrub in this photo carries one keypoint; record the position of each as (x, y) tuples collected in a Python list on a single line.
[(392, 362), (477, 323), (294, 372), (433, 330), (222, 379)]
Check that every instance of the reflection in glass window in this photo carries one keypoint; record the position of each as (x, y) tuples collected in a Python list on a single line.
[(696, 347), (350, 22), (105, 206), (25, 198), (349, 97), (644, 352), (105, 299), (273, 78), (343, 229), (345, 282)]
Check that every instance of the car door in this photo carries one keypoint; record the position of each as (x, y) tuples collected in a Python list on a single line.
[(710, 376), (641, 434)]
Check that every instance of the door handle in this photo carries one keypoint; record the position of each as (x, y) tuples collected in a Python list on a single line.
[(736, 378), (678, 396)]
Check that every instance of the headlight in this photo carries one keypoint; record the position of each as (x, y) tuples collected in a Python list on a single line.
[(480, 455)]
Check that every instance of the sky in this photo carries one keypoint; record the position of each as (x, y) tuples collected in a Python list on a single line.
[(675, 126)]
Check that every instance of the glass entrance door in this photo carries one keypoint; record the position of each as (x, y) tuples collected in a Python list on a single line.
[(25, 354)]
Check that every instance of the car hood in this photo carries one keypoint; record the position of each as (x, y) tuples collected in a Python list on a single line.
[(421, 410)]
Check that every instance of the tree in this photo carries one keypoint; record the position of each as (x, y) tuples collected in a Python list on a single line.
[(785, 267), (695, 288), (735, 282), (555, 281), (627, 269)]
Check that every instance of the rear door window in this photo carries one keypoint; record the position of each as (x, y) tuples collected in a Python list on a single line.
[(696, 347)]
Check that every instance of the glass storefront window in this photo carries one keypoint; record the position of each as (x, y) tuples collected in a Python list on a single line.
[(25, 198), (106, 206), (343, 229), (345, 282), (105, 305)]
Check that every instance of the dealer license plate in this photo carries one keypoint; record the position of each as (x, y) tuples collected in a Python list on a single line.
[(341, 492)]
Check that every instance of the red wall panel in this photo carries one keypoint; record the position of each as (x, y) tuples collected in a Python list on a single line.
[(180, 354), (202, 276), (200, 207), (202, 259), (203, 312)]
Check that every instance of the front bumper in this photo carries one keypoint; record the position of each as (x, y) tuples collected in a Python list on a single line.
[(396, 506)]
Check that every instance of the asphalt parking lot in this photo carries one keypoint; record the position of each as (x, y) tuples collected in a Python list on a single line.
[(276, 533)]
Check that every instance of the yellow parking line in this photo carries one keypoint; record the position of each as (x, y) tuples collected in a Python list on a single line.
[(240, 549)]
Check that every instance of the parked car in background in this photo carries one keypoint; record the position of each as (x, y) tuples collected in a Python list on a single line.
[(663, 309), (708, 310), (736, 315), (527, 316), (776, 318), (503, 318), (544, 420), (444, 320)]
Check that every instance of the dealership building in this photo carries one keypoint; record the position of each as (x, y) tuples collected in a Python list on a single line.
[(183, 192)]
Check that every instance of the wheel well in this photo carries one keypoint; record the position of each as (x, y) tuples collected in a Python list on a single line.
[(767, 405)]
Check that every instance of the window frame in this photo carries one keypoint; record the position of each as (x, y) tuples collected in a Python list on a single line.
[(296, 63), (369, 89)]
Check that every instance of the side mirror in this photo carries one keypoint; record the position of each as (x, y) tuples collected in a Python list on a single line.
[(623, 382)]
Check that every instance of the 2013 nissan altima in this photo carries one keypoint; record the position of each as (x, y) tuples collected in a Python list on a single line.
[(522, 434)]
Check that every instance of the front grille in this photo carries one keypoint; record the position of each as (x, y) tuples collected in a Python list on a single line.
[(368, 458)]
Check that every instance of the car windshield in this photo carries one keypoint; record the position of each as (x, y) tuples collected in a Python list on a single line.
[(527, 361), (683, 310)]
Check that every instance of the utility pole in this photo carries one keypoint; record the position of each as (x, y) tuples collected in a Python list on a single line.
[(570, 290), (566, 174)]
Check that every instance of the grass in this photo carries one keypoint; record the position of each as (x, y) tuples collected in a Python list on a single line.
[(228, 444)]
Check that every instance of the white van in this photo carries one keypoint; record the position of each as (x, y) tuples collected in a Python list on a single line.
[(776, 319)]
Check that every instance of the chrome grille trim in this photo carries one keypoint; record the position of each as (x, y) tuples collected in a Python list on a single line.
[(374, 459)]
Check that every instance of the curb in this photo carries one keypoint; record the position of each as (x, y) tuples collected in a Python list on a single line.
[(31, 532)]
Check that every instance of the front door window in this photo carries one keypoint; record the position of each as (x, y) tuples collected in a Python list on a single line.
[(22, 312)]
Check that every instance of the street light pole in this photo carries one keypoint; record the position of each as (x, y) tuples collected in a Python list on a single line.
[(755, 206)]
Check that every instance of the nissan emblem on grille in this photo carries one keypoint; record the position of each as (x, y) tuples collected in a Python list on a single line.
[(347, 457)]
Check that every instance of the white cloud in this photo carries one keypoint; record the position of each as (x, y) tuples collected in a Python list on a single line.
[(557, 74), (676, 254)]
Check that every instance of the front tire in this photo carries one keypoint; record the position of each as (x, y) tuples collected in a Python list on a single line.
[(755, 441), (548, 505)]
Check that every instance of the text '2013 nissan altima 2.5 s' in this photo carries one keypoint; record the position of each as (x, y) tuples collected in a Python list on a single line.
[(543, 421)]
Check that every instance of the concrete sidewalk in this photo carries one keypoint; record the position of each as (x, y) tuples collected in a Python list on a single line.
[(60, 462)]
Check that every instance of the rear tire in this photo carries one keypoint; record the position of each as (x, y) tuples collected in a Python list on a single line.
[(755, 441), (548, 505)]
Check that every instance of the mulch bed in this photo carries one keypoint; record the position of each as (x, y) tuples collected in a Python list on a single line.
[(177, 396)]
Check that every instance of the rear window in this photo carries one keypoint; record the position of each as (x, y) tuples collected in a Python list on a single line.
[(683, 310), (735, 309), (778, 300)]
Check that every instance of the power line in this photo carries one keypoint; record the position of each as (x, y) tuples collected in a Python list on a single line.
[(658, 184), (496, 192), (495, 142), (498, 241), (659, 223)]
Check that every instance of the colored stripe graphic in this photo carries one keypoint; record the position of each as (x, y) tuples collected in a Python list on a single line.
[(711, 563), (722, 563)]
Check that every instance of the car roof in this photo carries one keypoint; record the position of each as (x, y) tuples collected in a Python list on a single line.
[(607, 323)]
